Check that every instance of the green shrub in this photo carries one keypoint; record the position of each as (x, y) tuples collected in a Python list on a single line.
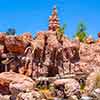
[(81, 34), (11, 31), (60, 32)]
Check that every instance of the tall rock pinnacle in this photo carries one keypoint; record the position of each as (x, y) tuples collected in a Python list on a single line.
[(53, 20)]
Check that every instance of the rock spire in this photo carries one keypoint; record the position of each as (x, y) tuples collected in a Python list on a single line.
[(53, 20)]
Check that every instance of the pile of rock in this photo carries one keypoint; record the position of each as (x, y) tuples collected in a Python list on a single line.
[(13, 85)]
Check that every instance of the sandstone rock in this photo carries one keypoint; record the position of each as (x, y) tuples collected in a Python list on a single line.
[(34, 95), (89, 57), (15, 45), (46, 50), (98, 41), (52, 42), (3, 55), (39, 41), (5, 97), (26, 36), (16, 87), (53, 21), (92, 82), (89, 40), (15, 83), (60, 81), (71, 86), (2, 37), (73, 97), (1, 50), (86, 98), (96, 93), (45, 55), (40, 35)]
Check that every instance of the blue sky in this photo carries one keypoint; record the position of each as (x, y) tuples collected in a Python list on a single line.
[(32, 15)]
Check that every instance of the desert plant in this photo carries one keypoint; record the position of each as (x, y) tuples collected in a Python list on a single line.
[(11, 31), (81, 34), (60, 32), (82, 84)]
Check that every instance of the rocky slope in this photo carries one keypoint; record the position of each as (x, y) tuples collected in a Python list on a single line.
[(45, 55)]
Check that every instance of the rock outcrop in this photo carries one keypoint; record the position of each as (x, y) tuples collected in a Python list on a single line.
[(70, 86), (53, 21), (23, 58), (45, 55), (14, 44), (14, 83), (92, 82), (34, 95)]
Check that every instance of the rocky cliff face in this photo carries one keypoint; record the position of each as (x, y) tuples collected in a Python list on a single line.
[(46, 56), (89, 57)]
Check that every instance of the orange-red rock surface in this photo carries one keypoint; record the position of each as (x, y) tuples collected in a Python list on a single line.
[(46, 52), (44, 55), (15, 83)]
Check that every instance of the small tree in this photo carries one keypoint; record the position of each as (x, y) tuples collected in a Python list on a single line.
[(81, 34), (60, 32), (11, 31)]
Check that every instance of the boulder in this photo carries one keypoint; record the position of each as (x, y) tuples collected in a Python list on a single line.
[(34, 95), (96, 93), (73, 97), (14, 83), (5, 97), (15, 45), (86, 98), (92, 82), (71, 86)]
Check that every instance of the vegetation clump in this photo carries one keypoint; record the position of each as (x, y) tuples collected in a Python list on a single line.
[(81, 34), (60, 32), (11, 31)]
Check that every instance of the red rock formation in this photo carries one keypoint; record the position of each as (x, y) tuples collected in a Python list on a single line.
[(45, 55), (71, 86), (26, 37), (2, 37), (13, 82), (14, 45), (53, 20)]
